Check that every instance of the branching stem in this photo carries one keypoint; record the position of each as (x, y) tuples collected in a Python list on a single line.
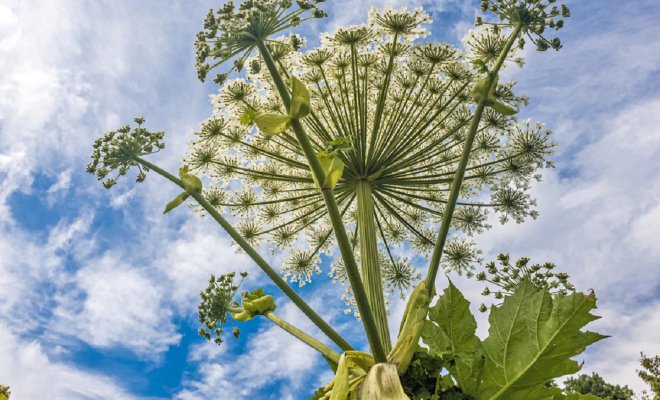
[(462, 165), (345, 248), (263, 264)]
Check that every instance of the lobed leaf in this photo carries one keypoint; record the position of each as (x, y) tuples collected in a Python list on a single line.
[(531, 340), (451, 335)]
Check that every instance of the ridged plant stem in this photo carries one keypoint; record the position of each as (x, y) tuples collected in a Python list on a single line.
[(343, 243), (370, 260)]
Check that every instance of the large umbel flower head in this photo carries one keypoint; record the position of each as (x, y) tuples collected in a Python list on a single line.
[(404, 107), (232, 33)]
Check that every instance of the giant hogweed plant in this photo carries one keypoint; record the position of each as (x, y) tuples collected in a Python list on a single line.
[(376, 141)]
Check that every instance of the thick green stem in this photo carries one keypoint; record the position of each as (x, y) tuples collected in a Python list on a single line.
[(250, 251), (462, 165), (371, 261), (345, 248), (308, 340)]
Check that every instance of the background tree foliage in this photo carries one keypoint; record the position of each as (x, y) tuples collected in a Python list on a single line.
[(596, 385), (650, 373)]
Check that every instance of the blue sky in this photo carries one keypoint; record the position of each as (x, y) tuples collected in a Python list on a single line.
[(98, 291)]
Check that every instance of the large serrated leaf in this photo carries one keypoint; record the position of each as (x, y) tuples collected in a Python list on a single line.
[(463, 348), (531, 340)]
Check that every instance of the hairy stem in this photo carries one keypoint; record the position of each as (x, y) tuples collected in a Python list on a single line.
[(370, 260), (345, 248), (460, 171), (265, 267)]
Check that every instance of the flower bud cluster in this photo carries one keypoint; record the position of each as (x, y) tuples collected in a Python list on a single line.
[(215, 305), (507, 277), (232, 32), (532, 16), (118, 151)]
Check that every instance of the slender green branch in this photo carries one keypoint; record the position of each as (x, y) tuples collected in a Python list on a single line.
[(302, 336), (352, 270), (272, 274), (462, 165)]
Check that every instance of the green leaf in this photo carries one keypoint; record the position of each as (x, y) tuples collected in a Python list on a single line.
[(191, 183), (461, 346), (333, 167), (248, 117), (272, 124), (531, 340), (178, 200), (300, 105), (500, 107)]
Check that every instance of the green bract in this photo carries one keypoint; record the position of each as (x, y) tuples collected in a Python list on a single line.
[(300, 105), (192, 186), (272, 124)]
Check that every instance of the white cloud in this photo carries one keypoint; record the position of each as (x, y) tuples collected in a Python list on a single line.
[(116, 305), (31, 374), (272, 356)]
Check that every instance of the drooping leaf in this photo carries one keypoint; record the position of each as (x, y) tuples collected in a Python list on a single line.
[(501, 107), (272, 124), (462, 347), (300, 104), (333, 167), (178, 200), (318, 394), (531, 339)]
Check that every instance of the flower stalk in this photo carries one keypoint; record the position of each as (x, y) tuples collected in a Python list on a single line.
[(457, 182), (343, 242), (256, 257), (316, 344)]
